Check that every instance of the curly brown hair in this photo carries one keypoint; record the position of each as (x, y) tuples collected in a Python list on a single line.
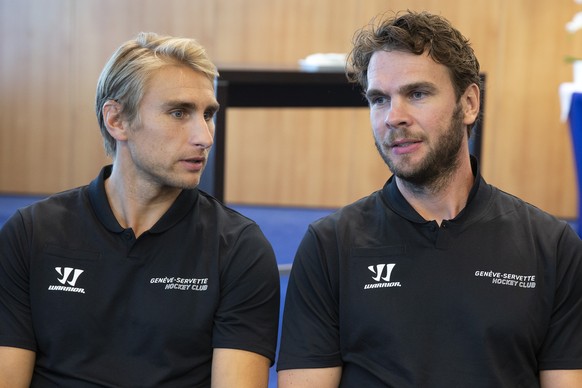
[(416, 33)]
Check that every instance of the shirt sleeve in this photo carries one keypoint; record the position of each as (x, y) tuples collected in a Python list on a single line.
[(15, 312), (248, 313), (562, 347), (310, 332)]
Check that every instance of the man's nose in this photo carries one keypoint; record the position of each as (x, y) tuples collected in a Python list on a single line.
[(397, 114), (202, 133)]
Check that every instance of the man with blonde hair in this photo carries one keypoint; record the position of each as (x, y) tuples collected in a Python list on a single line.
[(139, 279)]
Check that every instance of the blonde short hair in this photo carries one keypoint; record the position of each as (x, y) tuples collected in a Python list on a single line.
[(125, 75)]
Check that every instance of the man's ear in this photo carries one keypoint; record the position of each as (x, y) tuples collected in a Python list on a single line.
[(471, 104), (113, 120)]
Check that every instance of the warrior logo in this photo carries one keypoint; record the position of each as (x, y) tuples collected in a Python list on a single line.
[(66, 274), (382, 274), (379, 270)]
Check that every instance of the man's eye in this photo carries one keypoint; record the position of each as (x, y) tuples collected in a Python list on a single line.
[(378, 100), (178, 114), (417, 95), (208, 115)]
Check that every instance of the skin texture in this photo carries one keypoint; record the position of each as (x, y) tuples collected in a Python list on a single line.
[(306, 378), (561, 378), (16, 367), (239, 368), (411, 118)]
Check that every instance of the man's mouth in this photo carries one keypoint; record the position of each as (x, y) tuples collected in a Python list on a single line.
[(404, 146), (403, 143), (196, 163)]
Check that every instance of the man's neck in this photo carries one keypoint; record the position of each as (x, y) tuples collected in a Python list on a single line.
[(444, 198), (135, 204)]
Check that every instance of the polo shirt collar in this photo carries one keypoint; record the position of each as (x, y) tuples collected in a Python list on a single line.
[(96, 191), (477, 203)]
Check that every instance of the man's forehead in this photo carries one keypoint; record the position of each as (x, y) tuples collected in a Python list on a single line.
[(180, 84), (173, 76), (398, 69)]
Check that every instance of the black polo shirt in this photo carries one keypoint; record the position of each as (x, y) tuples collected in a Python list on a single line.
[(485, 300), (100, 307)]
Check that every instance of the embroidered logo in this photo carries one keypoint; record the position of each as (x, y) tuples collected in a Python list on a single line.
[(508, 279), (379, 270), (181, 284), (382, 274), (68, 279), (66, 273)]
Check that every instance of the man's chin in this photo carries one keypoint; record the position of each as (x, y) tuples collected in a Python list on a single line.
[(418, 176), (406, 169), (192, 185), (187, 183)]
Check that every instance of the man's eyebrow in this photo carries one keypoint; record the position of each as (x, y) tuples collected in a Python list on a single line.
[(404, 89), (179, 104), (214, 107), (172, 104), (372, 93)]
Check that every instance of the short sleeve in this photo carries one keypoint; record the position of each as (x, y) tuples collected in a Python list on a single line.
[(310, 332), (562, 347), (15, 313), (248, 314)]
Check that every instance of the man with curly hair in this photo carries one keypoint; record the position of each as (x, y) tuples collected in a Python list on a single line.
[(438, 279)]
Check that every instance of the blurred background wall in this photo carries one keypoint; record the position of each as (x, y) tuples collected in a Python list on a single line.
[(52, 51)]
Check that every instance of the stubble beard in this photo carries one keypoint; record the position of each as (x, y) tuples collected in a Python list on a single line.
[(176, 181), (162, 175), (436, 169), (156, 173)]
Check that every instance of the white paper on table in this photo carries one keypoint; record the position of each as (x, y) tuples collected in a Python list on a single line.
[(323, 61)]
